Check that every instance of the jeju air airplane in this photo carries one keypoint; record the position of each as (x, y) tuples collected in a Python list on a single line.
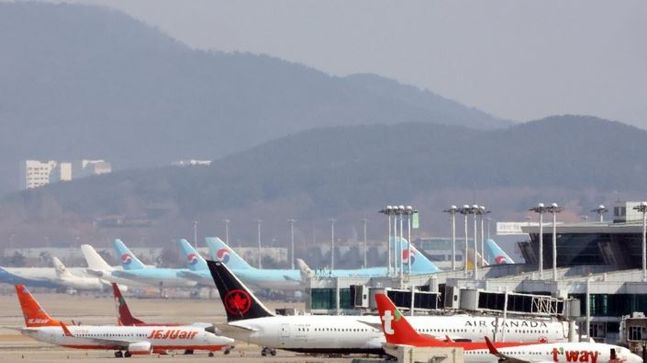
[(398, 331), (124, 340), (249, 320)]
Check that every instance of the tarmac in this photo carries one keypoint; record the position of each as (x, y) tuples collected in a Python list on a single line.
[(97, 310)]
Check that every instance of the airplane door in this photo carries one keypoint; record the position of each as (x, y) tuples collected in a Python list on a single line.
[(285, 333)]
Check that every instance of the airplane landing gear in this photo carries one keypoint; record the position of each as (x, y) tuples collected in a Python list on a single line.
[(188, 351), (127, 354), (211, 354), (118, 354), (265, 351)]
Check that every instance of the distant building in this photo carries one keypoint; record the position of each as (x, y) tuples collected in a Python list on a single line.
[(192, 162), (37, 173)]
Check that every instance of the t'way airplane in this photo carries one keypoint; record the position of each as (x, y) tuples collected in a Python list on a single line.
[(124, 340), (398, 331), (249, 320)]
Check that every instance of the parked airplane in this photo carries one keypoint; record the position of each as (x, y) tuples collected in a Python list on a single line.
[(70, 281), (98, 267), (249, 320), (124, 317), (37, 276), (124, 340), (293, 279), (495, 254), (398, 331), (135, 270)]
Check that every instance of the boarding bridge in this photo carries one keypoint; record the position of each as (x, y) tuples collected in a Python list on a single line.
[(512, 303)]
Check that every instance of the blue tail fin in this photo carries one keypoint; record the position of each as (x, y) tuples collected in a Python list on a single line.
[(419, 263), (128, 260), (495, 254), (219, 251), (193, 260)]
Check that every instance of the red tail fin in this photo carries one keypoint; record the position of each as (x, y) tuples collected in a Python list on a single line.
[(125, 317), (396, 328), (34, 314)]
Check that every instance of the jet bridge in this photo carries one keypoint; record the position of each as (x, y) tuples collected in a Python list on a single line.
[(514, 303)]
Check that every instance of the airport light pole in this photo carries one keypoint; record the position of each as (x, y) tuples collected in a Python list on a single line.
[(600, 210), (258, 225), (554, 209), (365, 240), (452, 212), (642, 208), (465, 211), (226, 230), (389, 212), (476, 211), (195, 234), (402, 211), (291, 221), (332, 243), (483, 213), (410, 212), (541, 209)]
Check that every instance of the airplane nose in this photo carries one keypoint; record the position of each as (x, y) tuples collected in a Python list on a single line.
[(635, 358)]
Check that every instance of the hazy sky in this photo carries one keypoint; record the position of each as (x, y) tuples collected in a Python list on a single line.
[(515, 59)]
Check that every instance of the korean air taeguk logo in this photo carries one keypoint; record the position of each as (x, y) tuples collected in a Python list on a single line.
[(126, 259), (406, 257), (222, 255), (193, 258)]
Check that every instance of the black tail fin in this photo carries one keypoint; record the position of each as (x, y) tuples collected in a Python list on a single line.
[(240, 303)]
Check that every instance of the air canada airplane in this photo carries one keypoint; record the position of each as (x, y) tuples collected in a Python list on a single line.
[(286, 279), (124, 340), (249, 320), (398, 331), (135, 270)]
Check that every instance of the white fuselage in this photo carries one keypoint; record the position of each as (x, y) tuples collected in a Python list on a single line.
[(119, 337), (319, 332), (552, 352)]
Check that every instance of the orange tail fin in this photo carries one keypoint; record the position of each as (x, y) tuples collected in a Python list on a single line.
[(396, 328), (32, 311)]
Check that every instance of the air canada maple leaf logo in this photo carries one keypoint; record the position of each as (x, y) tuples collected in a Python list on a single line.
[(238, 302)]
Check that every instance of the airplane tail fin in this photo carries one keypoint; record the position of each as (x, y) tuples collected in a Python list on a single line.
[(124, 316), (194, 260), (395, 326), (33, 313), (128, 260), (61, 270), (219, 251), (240, 303), (306, 271), (419, 262), (496, 255), (94, 259)]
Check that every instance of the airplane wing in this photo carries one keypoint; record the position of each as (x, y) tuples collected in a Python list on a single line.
[(502, 357), (189, 275), (288, 278), (228, 328)]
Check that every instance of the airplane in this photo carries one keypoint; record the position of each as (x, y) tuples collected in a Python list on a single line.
[(293, 278), (70, 281), (398, 331), (249, 320), (496, 255), (98, 267), (30, 276), (135, 270), (124, 340), (125, 317)]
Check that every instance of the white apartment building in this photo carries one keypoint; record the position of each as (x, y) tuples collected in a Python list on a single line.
[(37, 173)]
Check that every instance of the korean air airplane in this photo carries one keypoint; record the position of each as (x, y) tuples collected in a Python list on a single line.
[(286, 278), (135, 270), (495, 254)]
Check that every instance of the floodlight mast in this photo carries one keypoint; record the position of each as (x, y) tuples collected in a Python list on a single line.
[(452, 212), (642, 208), (260, 262), (554, 209), (540, 209), (332, 243), (483, 213), (292, 221), (465, 211), (600, 210), (388, 211), (410, 211), (365, 220), (226, 220), (476, 211)]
